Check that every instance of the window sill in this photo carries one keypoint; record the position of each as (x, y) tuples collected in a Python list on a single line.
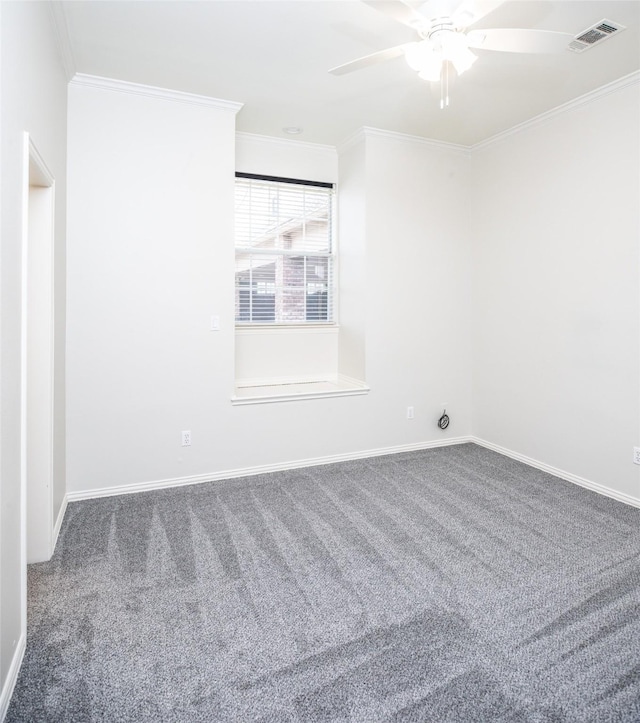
[(270, 329), (281, 391)]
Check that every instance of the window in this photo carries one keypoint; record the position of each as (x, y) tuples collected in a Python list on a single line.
[(284, 251)]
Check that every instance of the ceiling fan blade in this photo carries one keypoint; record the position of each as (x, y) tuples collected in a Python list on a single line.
[(470, 11), (398, 10), (515, 40), (368, 60), (432, 9)]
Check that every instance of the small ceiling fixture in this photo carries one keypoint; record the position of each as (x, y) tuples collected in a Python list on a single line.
[(293, 130)]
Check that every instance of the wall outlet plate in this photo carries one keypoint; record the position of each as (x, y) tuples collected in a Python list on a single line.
[(636, 455)]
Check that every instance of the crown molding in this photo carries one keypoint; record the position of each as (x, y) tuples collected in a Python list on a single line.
[(351, 141), (290, 143), (407, 138), (360, 135), (617, 85), (150, 91), (61, 30), (367, 132)]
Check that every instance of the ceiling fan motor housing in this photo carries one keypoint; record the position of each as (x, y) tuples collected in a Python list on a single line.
[(429, 29)]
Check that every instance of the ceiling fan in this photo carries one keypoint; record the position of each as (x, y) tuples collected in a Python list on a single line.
[(441, 26)]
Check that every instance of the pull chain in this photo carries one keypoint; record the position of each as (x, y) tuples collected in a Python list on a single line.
[(447, 77), (444, 86)]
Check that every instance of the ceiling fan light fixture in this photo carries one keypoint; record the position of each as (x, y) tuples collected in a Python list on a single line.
[(456, 50), (427, 56), (431, 72), (424, 58), (417, 54), (463, 60)]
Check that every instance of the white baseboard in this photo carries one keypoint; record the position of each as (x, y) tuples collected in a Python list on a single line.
[(261, 469), (12, 676), (18, 655), (313, 462), (58, 525), (581, 481)]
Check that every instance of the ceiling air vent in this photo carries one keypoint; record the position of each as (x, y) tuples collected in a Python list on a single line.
[(595, 34)]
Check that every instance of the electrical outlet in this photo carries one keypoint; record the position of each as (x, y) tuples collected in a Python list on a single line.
[(186, 438), (636, 455), (410, 413)]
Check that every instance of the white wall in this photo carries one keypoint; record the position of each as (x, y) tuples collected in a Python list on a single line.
[(286, 354), (556, 303), (287, 158), (33, 100), (418, 283), (151, 258), (150, 243), (403, 263), (352, 224)]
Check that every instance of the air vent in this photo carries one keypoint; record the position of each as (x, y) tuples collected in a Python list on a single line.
[(595, 34)]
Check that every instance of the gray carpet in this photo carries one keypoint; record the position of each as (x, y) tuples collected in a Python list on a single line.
[(451, 584)]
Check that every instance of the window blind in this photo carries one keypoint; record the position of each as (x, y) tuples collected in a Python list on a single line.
[(284, 251)]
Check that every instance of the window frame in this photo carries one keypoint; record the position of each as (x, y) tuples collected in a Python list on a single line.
[(331, 255)]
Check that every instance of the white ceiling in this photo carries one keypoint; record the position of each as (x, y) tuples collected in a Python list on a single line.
[(274, 55)]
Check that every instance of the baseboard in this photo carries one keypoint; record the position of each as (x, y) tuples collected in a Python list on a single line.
[(14, 668), (58, 525), (12, 676), (313, 462), (261, 469), (581, 481)]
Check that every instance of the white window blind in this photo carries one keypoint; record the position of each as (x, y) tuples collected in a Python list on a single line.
[(284, 251)]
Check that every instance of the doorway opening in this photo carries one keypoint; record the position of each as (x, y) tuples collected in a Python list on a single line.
[(37, 357)]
